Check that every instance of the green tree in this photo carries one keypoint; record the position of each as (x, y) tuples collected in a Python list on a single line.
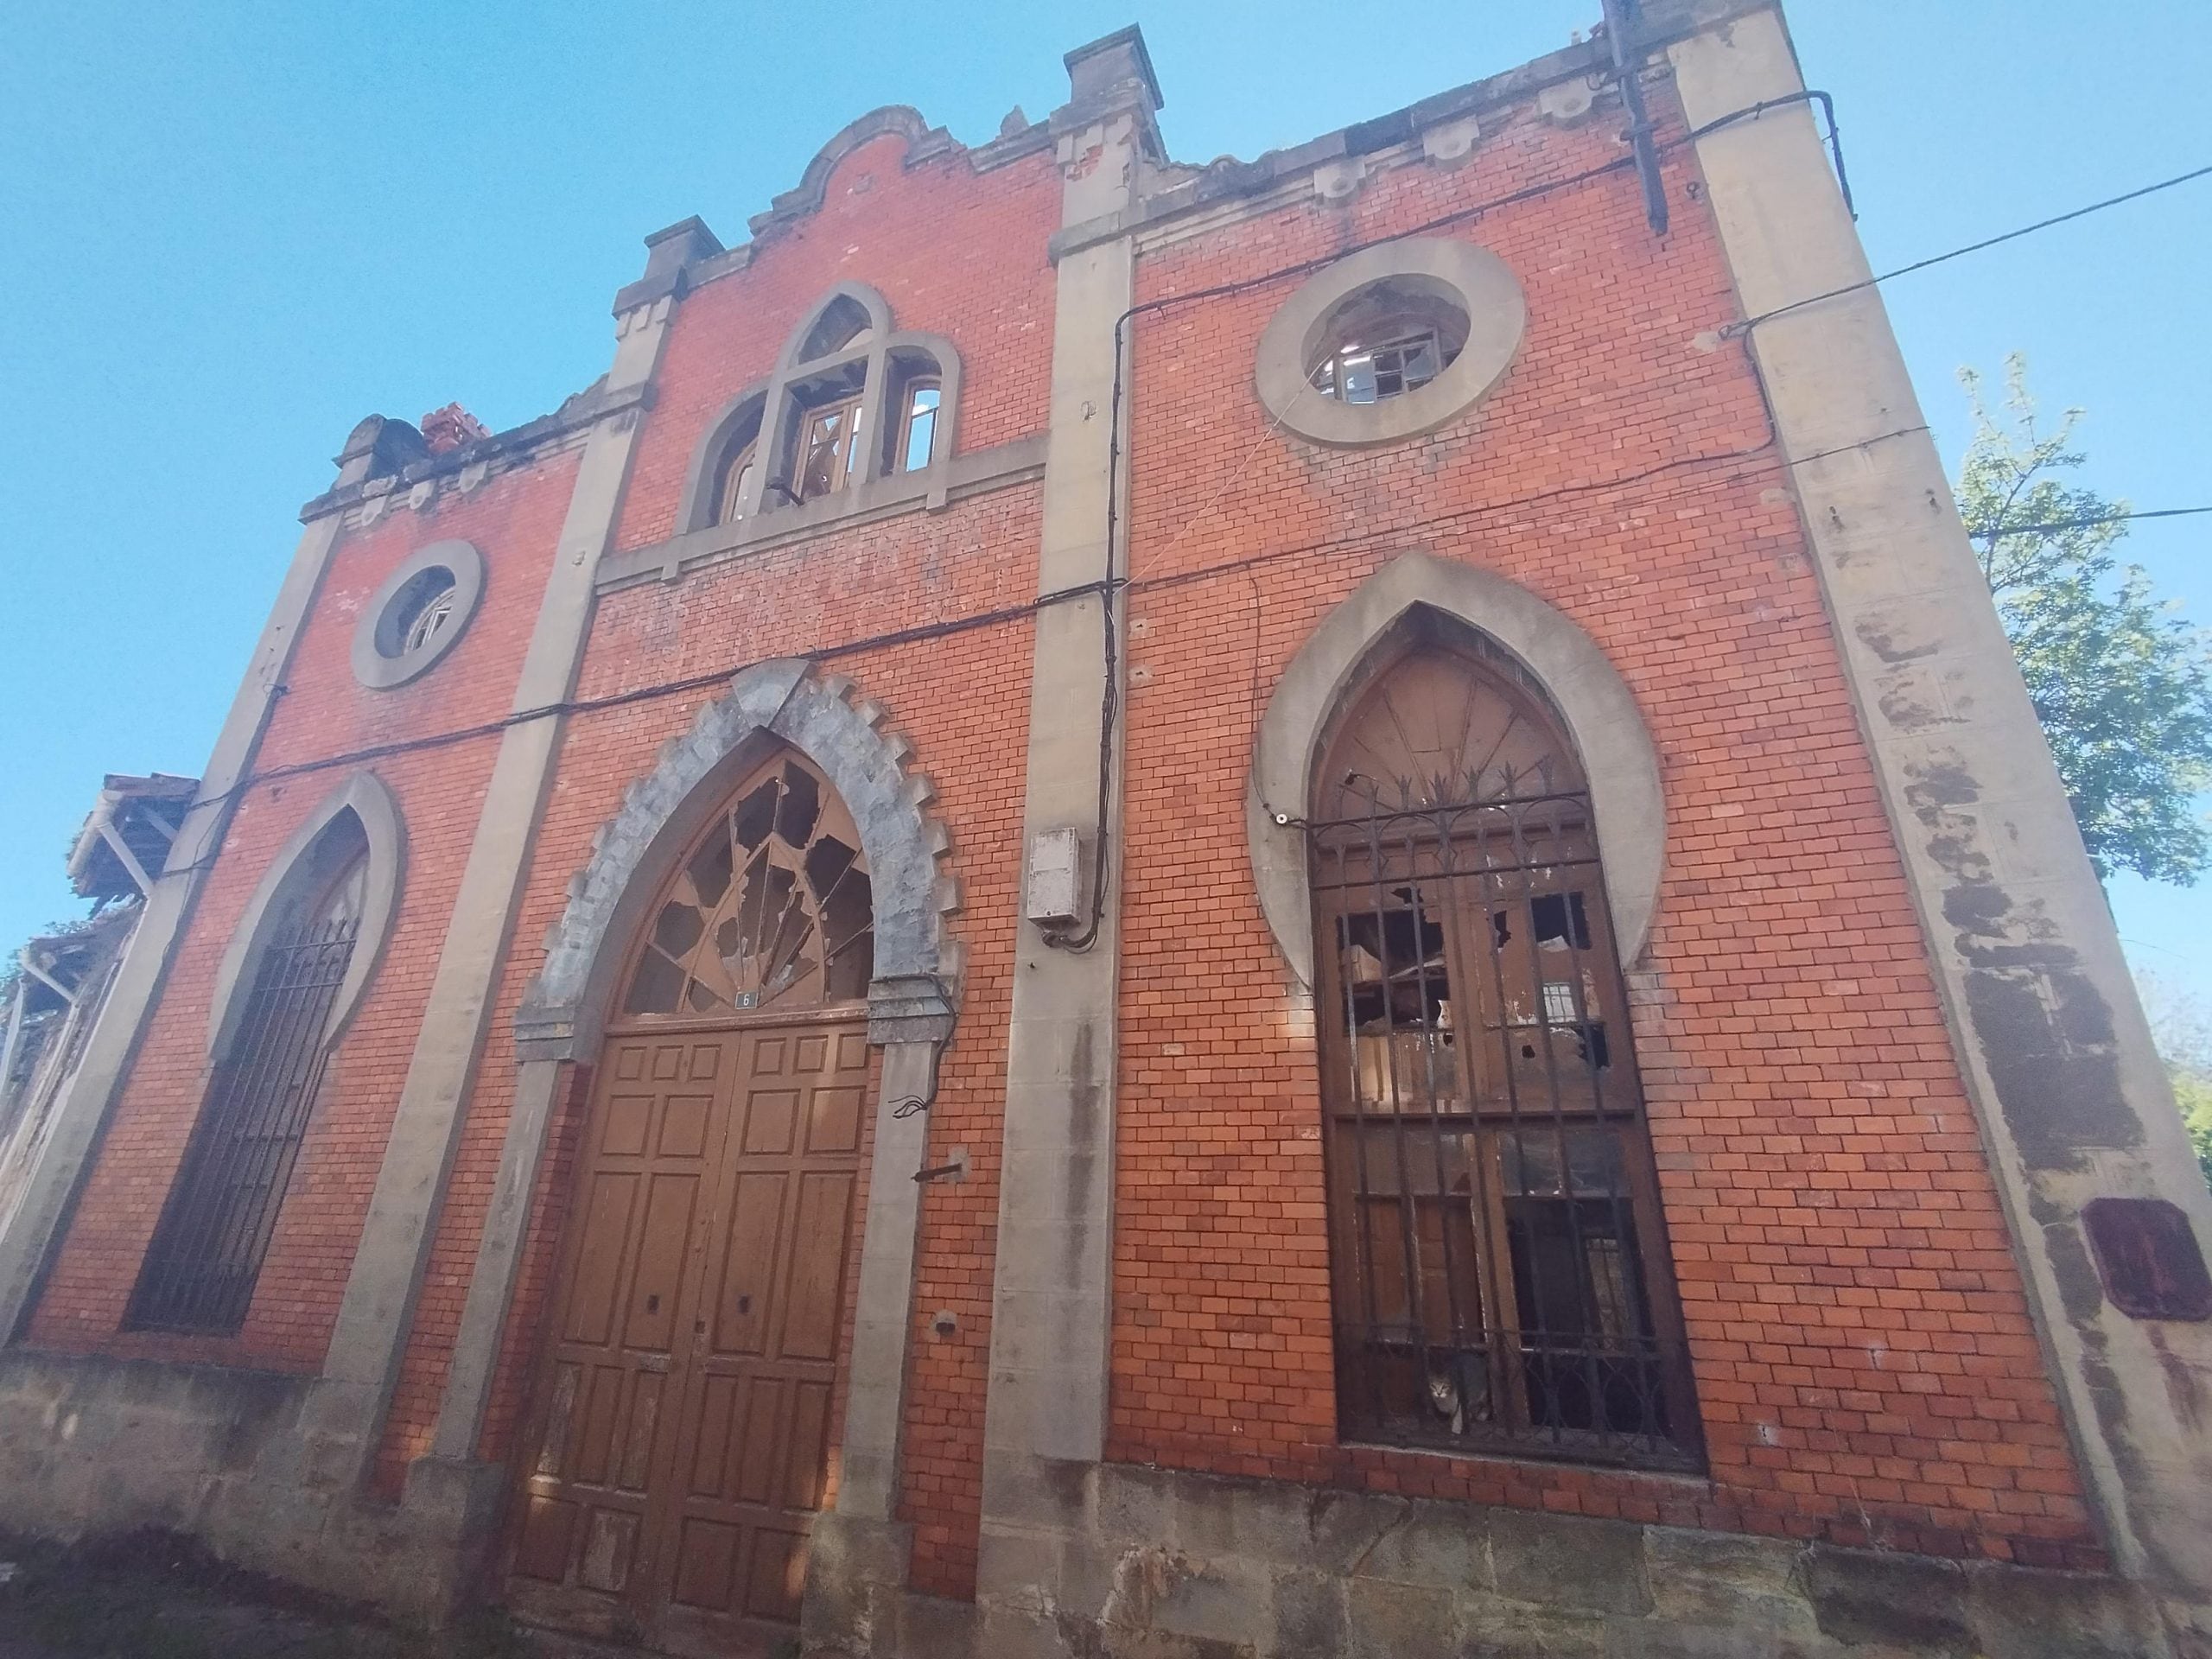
[(2123, 686), (2181, 1027)]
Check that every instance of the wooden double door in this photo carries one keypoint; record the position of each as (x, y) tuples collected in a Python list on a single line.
[(679, 1443)]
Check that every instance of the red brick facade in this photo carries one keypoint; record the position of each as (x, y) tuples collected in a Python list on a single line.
[(1865, 1365)]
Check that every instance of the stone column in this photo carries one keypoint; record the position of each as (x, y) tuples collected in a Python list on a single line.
[(343, 1418), (2072, 1101), (50, 1189), (1046, 1419)]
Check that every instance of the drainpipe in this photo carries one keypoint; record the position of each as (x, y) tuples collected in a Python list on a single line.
[(1621, 19)]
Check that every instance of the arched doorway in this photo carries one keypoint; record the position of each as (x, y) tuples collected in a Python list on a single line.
[(1499, 1265), (679, 1449)]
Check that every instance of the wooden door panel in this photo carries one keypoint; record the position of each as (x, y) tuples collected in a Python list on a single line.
[(812, 1302), (770, 1116), (548, 1532), (806, 1442), (749, 1263), (684, 1445), (706, 1563), (664, 1241), (590, 1318), (777, 1575), (603, 1437)]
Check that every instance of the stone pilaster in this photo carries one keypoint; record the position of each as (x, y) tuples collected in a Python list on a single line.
[(1051, 1304), (2072, 1102), (343, 1418)]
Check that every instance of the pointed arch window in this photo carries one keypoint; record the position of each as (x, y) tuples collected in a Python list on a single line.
[(213, 1236), (1499, 1266), (853, 402), (771, 909)]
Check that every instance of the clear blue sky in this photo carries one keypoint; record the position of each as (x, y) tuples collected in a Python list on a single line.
[(229, 232)]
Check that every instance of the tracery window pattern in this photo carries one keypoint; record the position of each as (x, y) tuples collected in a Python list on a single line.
[(213, 1237), (771, 909), (1498, 1264)]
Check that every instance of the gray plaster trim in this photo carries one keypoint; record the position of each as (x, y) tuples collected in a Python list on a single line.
[(1052, 1275), (477, 1342), (343, 1420), (883, 1315), (978, 472), (1619, 756), (1497, 316), (2051, 1045), (369, 799), (879, 324), (663, 813), (374, 665), (695, 507)]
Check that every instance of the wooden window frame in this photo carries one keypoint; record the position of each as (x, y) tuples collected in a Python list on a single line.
[(1481, 1104), (902, 453)]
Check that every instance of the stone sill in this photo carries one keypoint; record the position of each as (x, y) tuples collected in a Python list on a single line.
[(933, 489)]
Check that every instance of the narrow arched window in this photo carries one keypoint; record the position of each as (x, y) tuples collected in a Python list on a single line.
[(918, 422), (208, 1247), (771, 909), (1499, 1266), (730, 491)]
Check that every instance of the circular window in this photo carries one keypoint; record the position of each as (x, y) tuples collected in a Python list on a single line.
[(1391, 342), (417, 614)]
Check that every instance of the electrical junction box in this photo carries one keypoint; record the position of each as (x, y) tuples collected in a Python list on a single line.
[(1056, 878)]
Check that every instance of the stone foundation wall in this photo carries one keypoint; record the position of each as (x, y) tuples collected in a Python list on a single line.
[(91, 1445), (1142, 1563)]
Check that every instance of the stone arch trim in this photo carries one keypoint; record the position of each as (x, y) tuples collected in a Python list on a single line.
[(879, 323), (1599, 710), (695, 508), (370, 800), (875, 353), (915, 991)]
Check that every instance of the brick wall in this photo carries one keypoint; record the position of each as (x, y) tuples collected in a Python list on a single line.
[(952, 252), (514, 520), (1865, 1362), (956, 254)]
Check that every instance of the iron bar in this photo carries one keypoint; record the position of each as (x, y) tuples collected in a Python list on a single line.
[(214, 1230), (1533, 1329)]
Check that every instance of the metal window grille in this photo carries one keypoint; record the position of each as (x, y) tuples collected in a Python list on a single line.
[(1496, 1252), (207, 1250)]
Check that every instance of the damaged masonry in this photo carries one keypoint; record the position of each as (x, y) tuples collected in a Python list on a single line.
[(996, 958)]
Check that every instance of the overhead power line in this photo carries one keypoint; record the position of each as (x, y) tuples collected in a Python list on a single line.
[(1750, 323), (2082, 523), (1111, 582)]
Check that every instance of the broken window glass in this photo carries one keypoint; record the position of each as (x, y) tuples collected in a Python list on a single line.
[(1488, 1228), (773, 907), (829, 442), (1355, 373)]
